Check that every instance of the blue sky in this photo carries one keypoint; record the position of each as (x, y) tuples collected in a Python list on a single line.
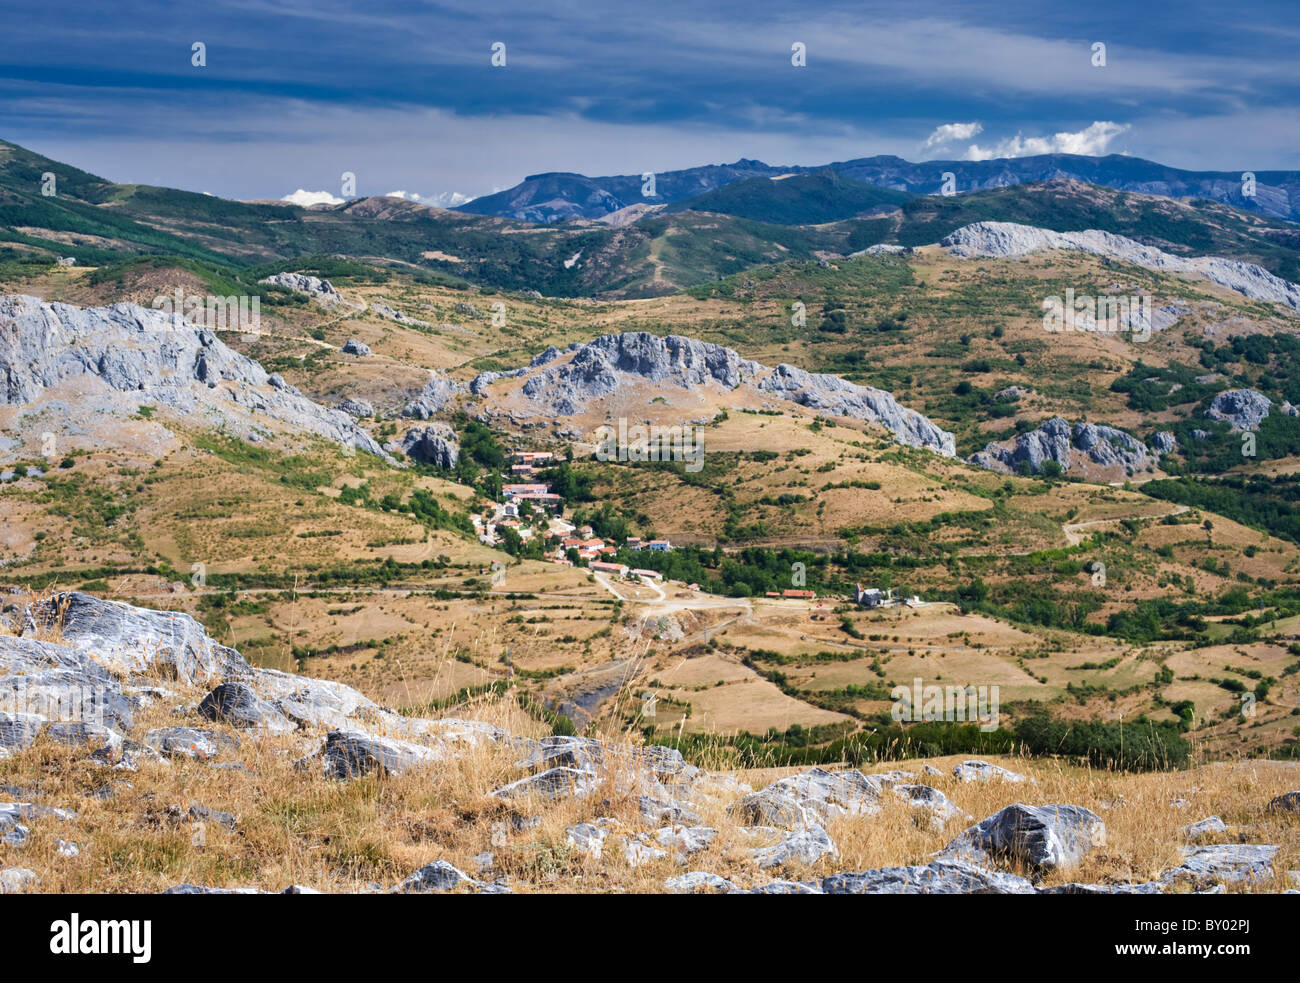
[(403, 95)]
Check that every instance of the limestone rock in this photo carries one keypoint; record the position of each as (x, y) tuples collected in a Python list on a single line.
[(17, 880), (188, 742), (436, 394), (939, 877), (134, 639), (156, 358), (236, 704), (1045, 838), (356, 408), (434, 444), (834, 396), (1224, 863), (436, 877), (932, 807), (699, 882), (1205, 827), (815, 793), (1011, 239), (1056, 440), (804, 846), (982, 771), (1286, 802), (353, 753), (322, 290), (555, 783), (1244, 409)]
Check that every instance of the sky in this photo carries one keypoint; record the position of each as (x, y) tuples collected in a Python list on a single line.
[(403, 95)]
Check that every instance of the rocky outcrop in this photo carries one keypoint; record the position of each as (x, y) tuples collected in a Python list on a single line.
[(699, 882), (322, 290), (189, 742), (437, 393), (126, 638), (834, 396), (237, 705), (996, 239), (358, 348), (156, 358), (1043, 838), (557, 387), (1243, 409), (1164, 442), (814, 794), (940, 877), (1205, 866), (983, 771), (354, 753), (933, 809), (358, 409), (1078, 448), (392, 314), (1287, 802), (434, 444), (805, 846), (555, 783), (1210, 826)]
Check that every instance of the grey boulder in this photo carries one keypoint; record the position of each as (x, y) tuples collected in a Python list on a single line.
[(1048, 837), (939, 877), (237, 705)]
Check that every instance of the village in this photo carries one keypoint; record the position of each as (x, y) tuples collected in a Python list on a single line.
[(533, 512)]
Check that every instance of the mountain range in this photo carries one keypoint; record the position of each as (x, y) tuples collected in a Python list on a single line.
[(555, 197)]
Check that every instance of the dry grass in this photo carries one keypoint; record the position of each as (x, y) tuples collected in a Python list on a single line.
[(295, 827)]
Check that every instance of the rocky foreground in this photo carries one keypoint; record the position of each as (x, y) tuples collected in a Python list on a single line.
[(138, 754)]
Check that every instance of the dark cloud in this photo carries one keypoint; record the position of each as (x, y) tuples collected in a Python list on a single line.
[(293, 89)]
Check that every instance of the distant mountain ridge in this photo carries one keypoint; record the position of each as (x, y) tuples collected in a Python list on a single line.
[(725, 220), (554, 197)]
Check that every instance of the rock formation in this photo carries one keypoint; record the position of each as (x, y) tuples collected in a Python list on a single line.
[(156, 358), (996, 239)]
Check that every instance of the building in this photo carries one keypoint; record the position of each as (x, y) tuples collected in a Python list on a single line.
[(532, 458), (662, 545), (872, 597), (806, 595), (527, 488), (652, 574), (615, 568)]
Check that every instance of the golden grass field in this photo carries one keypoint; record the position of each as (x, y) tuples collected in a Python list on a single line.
[(293, 828)]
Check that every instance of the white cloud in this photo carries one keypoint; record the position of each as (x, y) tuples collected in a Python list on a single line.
[(308, 198), (948, 132), (443, 199), (1091, 141), (448, 199)]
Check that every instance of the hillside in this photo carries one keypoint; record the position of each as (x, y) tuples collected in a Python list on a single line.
[(795, 199), (343, 590), (747, 222)]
